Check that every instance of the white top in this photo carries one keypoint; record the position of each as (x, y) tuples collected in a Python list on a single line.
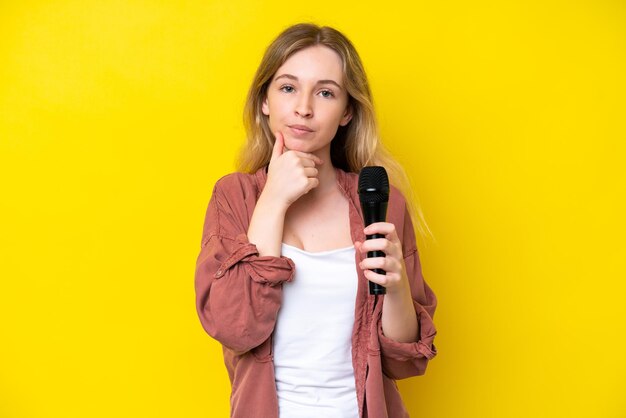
[(312, 338)]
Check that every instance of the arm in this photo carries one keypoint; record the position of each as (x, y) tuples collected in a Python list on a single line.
[(398, 314), (406, 359), (238, 292), (239, 272), (266, 226), (290, 175), (405, 327)]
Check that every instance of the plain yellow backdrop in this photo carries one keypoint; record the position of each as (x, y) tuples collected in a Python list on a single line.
[(116, 118)]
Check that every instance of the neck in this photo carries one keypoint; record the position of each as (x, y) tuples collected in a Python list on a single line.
[(327, 178)]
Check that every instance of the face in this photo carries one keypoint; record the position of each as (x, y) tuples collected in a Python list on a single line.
[(307, 100)]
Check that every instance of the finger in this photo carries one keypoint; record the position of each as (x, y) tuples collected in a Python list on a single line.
[(376, 244), (374, 263), (389, 281), (306, 162), (312, 183), (309, 156), (279, 145), (311, 171), (385, 228), (388, 264), (372, 276), (389, 248)]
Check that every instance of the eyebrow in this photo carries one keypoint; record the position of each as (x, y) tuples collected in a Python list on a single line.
[(293, 77)]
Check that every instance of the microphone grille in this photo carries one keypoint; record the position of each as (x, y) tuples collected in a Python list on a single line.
[(374, 184)]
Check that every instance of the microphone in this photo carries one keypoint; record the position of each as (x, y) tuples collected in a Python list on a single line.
[(374, 197)]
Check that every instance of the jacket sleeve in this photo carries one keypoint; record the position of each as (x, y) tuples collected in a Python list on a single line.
[(401, 360), (238, 293)]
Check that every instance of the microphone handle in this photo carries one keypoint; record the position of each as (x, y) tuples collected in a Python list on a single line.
[(375, 288)]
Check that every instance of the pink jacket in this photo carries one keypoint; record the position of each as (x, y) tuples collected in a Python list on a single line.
[(238, 295)]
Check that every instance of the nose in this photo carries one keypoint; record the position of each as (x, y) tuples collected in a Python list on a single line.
[(303, 107)]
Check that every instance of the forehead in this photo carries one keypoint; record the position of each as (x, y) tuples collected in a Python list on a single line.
[(314, 63)]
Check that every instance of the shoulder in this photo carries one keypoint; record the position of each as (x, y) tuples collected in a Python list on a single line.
[(234, 180), (396, 198), (397, 210), (237, 184), (235, 195)]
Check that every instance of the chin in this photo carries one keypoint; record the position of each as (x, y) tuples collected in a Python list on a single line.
[(296, 145)]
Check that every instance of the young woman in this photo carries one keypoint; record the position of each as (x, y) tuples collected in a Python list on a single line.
[(281, 278)]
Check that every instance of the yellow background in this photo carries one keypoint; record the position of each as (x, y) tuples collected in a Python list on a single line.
[(116, 118)]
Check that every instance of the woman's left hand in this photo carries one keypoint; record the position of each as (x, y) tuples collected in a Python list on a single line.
[(392, 263)]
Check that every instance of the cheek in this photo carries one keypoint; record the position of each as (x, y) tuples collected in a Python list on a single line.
[(275, 110), (334, 118)]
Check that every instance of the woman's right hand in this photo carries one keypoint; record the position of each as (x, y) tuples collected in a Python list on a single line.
[(291, 174)]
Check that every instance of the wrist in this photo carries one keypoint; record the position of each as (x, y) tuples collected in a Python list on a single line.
[(271, 203), (400, 290)]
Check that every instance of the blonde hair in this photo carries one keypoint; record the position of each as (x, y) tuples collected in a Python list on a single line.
[(355, 145)]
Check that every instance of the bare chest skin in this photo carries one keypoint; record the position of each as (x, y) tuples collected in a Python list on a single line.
[(318, 225)]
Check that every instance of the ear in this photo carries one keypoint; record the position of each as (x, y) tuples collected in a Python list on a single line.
[(265, 107), (347, 116)]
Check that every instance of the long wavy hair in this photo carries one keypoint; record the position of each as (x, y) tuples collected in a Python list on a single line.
[(355, 145)]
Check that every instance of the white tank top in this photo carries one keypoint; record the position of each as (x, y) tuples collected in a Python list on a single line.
[(312, 338)]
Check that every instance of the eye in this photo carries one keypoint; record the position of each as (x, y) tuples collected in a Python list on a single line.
[(327, 93), (286, 88)]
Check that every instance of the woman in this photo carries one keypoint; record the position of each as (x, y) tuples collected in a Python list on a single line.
[(281, 279)]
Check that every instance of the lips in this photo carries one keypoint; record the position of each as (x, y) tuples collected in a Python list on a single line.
[(300, 131), (301, 128)]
